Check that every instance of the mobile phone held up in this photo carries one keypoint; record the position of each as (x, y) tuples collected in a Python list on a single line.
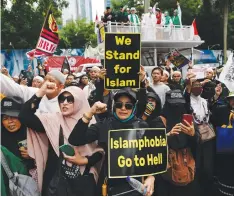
[(188, 118), (67, 149)]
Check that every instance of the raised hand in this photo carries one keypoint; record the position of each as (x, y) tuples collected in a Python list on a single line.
[(98, 108)]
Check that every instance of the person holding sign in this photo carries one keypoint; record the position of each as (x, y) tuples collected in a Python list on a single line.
[(124, 110), (182, 143)]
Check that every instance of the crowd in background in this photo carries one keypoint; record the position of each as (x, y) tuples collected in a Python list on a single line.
[(41, 113)]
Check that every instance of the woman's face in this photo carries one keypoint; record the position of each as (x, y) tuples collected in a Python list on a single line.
[(123, 107), (66, 103), (12, 124)]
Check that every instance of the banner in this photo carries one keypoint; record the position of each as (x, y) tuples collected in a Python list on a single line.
[(48, 39), (227, 74), (177, 59), (136, 152), (122, 60), (199, 72), (101, 34)]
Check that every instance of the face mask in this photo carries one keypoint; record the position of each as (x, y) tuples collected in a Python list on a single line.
[(197, 91)]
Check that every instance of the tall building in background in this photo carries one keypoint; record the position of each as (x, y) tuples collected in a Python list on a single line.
[(107, 3), (77, 9)]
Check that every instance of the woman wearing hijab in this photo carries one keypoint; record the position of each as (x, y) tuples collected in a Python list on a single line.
[(13, 132), (124, 110), (182, 140), (45, 141)]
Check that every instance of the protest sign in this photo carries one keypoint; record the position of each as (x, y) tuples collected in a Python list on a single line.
[(122, 60), (199, 72), (177, 59), (136, 152)]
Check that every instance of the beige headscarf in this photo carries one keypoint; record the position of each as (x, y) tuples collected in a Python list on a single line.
[(52, 123)]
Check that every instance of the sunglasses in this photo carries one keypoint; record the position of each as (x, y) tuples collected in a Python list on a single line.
[(119, 105), (62, 98)]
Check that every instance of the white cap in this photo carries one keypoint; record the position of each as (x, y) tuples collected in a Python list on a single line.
[(58, 75), (95, 68), (39, 78), (150, 8), (133, 9)]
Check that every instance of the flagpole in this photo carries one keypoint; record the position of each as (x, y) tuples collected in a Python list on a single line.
[(42, 27), (40, 33)]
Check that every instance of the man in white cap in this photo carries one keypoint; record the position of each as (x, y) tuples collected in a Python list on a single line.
[(134, 20), (49, 102), (37, 82), (149, 25)]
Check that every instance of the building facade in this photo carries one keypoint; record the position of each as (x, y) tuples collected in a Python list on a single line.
[(77, 9)]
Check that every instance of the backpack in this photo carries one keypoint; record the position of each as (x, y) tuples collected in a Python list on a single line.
[(180, 167), (19, 184)]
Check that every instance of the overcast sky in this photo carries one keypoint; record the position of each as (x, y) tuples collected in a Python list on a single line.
[(97, 5)]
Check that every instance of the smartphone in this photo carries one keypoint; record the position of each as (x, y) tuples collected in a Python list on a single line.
[(23, 143), (67, 149), (188, 118)]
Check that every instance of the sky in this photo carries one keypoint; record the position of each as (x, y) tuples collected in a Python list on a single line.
[(97, 5)]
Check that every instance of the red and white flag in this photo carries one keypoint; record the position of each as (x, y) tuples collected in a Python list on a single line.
[(96, 23), (48, 39), (194, 32)]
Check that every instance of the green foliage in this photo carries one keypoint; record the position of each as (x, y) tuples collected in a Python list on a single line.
[(77, 34), (22, 23), (129, 3)]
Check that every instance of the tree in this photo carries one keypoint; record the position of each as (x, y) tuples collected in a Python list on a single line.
[(77, 34), (22, 23), (130, 3)]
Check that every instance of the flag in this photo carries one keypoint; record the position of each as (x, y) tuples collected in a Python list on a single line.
[(48, 39), (227, 74), (96, 24), (65, 65), (194, 31)]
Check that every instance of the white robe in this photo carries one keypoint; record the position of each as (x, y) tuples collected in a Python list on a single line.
[(148, 28)]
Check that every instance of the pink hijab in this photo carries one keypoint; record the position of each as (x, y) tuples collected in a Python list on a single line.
[(38, 145)]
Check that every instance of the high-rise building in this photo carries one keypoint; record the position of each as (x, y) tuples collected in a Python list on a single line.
[(107, 3), (77, 9)]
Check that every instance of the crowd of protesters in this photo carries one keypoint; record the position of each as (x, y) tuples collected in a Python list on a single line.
[(41, 113)]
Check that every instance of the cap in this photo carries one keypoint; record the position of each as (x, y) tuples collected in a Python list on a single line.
[(58, 75), (126, 92), (230, 95), (150, 8), (152, 95), (95, 68), (133, 9), (39, 78), (10, 107), (157, 9), (128, 9), (175, 96)]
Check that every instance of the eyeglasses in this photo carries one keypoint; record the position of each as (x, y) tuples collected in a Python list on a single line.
[(62, 98), (119, 105)]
